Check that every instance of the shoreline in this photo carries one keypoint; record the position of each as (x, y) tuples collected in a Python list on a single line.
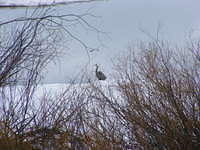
[(44, 4)]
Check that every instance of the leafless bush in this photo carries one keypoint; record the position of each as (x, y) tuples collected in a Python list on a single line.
[(153, 103), (27, 45), (159, 97)]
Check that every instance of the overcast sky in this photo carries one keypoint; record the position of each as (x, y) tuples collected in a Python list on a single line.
[(123, 21)]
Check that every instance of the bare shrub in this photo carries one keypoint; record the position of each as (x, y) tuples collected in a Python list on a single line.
[(153, 103), (27, 45), (159, 89)]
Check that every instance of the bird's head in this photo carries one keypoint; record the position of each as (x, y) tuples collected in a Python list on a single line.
[(97, 66)]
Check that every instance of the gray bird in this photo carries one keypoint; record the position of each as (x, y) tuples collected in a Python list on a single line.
[(100, 75)]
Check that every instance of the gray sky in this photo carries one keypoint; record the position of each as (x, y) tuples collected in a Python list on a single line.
[(122, 20)]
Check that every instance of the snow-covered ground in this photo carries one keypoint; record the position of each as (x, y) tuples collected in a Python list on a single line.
[(58, 88), (16, 3)]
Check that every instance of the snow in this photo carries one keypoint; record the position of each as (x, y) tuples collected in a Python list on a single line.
[(16, 3), (58, 88)]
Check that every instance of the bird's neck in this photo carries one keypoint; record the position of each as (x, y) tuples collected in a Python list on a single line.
[(96, 68)]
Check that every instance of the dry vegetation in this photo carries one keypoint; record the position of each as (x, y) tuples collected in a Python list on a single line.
[(154, 102)]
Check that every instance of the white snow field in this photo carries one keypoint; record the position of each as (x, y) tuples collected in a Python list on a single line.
[(57, 89), (15, 3)]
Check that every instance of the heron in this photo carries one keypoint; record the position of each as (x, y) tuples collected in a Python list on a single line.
[(100, 75)]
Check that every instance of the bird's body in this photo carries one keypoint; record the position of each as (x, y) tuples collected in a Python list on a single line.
[(100, 75)]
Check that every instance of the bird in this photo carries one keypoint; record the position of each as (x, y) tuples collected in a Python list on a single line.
[(100, 75)]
